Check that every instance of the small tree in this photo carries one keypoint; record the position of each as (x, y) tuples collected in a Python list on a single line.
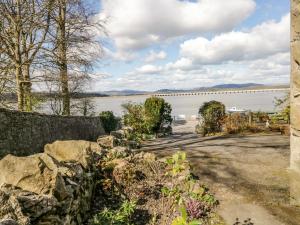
[(157, 113), (212, 114), (135, 117), (109, 120)]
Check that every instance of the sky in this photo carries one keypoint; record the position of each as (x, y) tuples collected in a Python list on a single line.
[(182, 44)]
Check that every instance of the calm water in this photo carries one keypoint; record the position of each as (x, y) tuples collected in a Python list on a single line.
[(189, 105)]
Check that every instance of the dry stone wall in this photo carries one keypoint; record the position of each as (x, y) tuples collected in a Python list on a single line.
[(23, 134), (50, 188)]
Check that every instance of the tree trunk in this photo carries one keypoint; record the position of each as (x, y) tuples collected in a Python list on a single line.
[(295, 85), (63, 66), (27, 88), (18, 59), (20, 92)]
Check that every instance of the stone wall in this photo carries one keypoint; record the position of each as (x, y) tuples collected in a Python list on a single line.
[(295, 85), (24, 134), (50, 188)]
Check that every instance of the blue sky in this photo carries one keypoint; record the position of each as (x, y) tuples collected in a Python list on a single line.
[(156, 44)]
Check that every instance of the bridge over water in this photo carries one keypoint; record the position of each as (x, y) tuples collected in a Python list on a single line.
[(222, 92)]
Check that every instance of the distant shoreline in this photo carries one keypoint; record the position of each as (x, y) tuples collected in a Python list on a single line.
[(237, 90)]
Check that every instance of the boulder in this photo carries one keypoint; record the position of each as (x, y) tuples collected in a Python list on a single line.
[(73, 151), (107, 142), (37, 173), (46, 189)]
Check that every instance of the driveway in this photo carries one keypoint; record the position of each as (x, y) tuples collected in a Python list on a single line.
[(248, 174)]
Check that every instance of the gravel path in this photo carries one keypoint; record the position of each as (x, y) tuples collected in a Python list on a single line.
[(248, 174)]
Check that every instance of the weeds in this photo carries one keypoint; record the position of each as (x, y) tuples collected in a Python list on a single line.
[(184, 220), (177, 162), (120, 216)]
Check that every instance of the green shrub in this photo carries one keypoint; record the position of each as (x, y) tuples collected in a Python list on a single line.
[(135, 118), (120, 216), (157, 114), (212, 114), (109, 120), (152, 117)]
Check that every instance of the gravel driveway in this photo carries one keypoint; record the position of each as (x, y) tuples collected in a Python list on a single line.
[(248, 174)]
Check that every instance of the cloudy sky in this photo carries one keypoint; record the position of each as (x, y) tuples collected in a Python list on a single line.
[(175, 44)]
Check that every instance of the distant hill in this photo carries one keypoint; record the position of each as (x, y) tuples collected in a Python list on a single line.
[(199, 89), (247, 85), (169, 91), (220, 86), (125, 92)]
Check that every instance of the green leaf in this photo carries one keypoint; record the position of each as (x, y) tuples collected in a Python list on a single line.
[(183, 213), (195, 222), (178, 221)]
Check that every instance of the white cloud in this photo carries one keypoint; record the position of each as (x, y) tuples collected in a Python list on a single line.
[(149, 69), (181, 64), (261, 41), (135, 24), (119, 55), (183, 73), (153, 56)]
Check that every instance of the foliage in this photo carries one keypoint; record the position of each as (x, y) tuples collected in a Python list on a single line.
[(184, 220), (135, 117), (149, 118), (195, 209), (202, 194), (236, 123), (177, 162), (261, 117), (120, 216), (157, 114), (212, 114), (174, 193), (109, 120)]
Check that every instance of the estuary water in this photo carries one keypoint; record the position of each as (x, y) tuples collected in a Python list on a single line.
[(189, 105)]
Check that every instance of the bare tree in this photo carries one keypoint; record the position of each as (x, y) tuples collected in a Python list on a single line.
[(24, 25), (73, 48)]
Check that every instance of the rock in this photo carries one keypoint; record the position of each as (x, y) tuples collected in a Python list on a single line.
[(120, 152), (39, 189), (8, 222), (119, 134), (133, 144), (37, 173), (73, 151), (23, 207), (107, 141)]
